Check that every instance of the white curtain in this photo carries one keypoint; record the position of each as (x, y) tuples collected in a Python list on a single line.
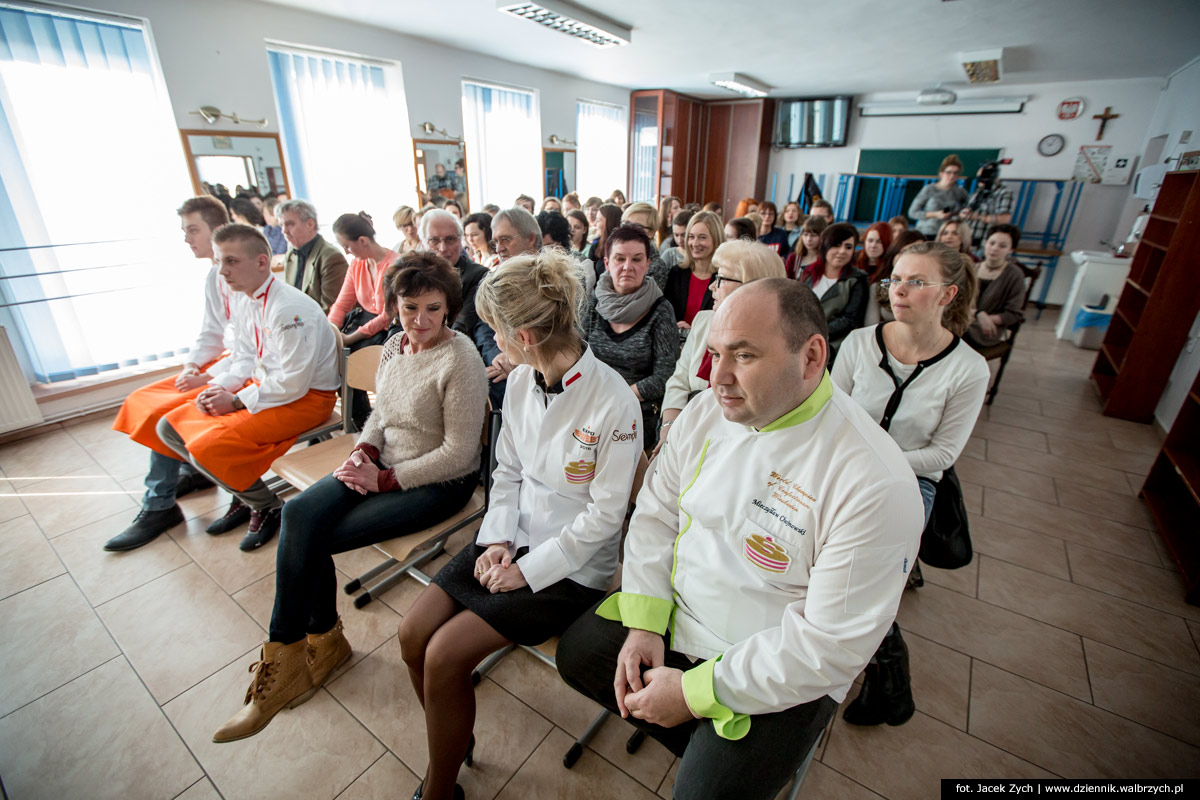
[(503, 133), (93, 272), (603, 135), (346, 137)]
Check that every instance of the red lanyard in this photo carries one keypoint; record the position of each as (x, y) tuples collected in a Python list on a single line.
[(260, 339)]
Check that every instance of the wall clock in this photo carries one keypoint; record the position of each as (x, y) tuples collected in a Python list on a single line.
[(1051, 145)]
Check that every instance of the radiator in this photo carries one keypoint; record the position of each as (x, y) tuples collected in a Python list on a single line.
[(18, 409)]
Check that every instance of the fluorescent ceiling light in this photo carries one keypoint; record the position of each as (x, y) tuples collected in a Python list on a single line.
[(981, 105), (982, 66), (737, 82), (570, 20)]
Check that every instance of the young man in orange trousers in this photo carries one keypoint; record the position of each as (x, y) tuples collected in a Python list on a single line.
[(168, 477), (281, 381)]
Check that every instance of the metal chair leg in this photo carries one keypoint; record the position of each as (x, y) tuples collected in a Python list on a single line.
[(488, 663), (577, 749)]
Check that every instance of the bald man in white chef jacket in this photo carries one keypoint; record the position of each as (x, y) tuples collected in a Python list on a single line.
[(764, 563)]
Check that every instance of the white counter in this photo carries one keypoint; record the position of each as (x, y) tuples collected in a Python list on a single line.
[(1096, 275)]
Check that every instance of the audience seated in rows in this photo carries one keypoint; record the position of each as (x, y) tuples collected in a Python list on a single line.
[(548, 546), (416, 463), (783, 486), (630, 326)]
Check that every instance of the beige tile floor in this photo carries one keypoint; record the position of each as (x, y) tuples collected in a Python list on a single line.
[(1064, 649)]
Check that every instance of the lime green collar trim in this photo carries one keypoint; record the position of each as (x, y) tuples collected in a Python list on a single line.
[(806, 410)]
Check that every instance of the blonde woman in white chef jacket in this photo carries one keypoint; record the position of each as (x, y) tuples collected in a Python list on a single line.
[(547, 548)]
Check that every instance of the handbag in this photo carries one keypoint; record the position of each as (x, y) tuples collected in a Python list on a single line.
[(946, 540)]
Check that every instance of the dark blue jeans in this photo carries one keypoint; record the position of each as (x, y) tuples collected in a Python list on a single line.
[(329, 517), (758, 765)]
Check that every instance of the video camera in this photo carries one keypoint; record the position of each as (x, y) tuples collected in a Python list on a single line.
[(985, 183)]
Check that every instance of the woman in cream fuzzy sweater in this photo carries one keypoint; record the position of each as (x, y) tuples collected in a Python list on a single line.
[(416, 463)]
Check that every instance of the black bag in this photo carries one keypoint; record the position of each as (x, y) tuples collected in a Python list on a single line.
[(946, 540)]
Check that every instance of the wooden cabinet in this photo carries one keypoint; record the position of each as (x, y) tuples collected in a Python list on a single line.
[(739, 147), (698, 150), (1172, 491), (1157, 307)]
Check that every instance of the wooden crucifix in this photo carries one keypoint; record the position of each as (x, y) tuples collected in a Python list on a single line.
[(1104, 118)]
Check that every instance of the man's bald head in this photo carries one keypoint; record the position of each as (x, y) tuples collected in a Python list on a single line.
[(768, 341)]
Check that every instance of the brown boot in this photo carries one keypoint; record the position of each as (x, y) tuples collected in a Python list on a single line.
[(326, 652), (281, 680)]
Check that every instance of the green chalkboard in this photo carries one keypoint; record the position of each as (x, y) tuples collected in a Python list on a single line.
[(920, 162), (908, 162)]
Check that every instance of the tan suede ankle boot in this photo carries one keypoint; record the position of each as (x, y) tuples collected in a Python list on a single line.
[(326, 652), (281, 680)]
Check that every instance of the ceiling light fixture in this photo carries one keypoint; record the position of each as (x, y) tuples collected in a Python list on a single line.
[(739, 83), (982, 66), (974, 105), (570, 20)]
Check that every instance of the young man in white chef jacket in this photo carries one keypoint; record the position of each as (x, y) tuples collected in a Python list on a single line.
[(764, 563)]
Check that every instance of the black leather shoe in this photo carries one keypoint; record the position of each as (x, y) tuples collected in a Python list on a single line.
[(459, 794), (238, 514), (146, 527), (263, 526), (192, 482)]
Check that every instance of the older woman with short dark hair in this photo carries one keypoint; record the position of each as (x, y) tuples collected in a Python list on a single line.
[(416, 463), (630, 325)]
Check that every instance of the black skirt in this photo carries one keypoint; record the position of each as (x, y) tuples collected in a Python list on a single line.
[(522, 615)]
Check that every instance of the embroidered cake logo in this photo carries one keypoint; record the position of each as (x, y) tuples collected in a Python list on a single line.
[(580, 471), (764, 552), (586, 437)]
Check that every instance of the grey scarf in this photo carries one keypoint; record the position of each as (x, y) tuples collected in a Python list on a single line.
[(625, 309)]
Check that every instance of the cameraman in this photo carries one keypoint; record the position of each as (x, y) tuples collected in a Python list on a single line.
[(990, 204), (938, 201)]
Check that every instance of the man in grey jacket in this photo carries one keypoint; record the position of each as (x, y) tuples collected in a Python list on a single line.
[(312, 265)]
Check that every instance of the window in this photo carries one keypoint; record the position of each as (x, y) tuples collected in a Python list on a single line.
[(93, 275), (602, 133), (503, 134), (344, 124), (645, 149)]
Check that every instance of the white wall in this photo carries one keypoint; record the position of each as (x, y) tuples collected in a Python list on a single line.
[(213, 53), (1178, 111), (1016, 135)]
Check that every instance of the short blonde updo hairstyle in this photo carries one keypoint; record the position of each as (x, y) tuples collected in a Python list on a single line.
[(539, 292), (748, 261), (642, 208)]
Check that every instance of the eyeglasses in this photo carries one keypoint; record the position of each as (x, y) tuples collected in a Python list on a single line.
[(449, 241), (503, 241), (720, 279), (916, 283)]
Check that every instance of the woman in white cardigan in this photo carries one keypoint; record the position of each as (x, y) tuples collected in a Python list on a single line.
[(925, 387), (736, 263), (547, 548)]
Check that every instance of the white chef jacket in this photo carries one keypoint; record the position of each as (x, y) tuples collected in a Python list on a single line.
[(217, 325), (565, 466), (777, 554), (285, 342)]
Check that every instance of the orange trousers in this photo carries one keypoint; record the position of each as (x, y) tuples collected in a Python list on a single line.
[(144, 407), (239, 448)]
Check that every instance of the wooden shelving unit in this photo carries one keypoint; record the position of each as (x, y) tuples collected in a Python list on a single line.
[(1156, 309), (1172, 491)]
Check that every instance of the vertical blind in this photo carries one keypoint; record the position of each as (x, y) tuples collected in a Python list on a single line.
[(344, 123), (603, 137), (93, 274), (502, 131)]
